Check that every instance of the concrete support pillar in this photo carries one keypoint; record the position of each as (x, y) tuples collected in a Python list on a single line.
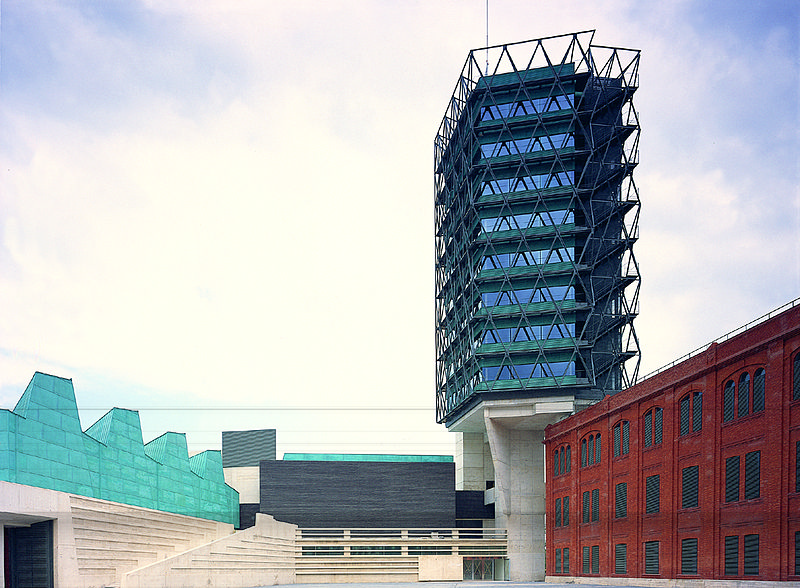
[(518, 459), (469, 462)]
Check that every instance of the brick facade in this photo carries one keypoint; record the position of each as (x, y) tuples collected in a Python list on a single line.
[(696, 473)]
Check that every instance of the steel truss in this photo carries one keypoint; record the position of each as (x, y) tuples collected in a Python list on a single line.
[(536, 215)]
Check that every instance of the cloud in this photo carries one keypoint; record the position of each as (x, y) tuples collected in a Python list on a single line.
[(233, 202)]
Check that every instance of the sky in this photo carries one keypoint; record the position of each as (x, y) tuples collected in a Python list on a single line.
[(220, 214)]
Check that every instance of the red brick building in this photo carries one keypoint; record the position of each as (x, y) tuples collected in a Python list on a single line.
[(692, 473)]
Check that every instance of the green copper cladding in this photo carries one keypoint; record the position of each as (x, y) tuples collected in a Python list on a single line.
[(536, 214), (42, 445)]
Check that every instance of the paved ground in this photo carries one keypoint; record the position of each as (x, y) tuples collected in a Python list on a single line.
[(465, 584)]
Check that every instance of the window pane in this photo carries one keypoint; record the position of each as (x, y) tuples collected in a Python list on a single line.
[(744, 394), (689, 556), (751, 555), (758, 390), (732, 479), (752, 475)]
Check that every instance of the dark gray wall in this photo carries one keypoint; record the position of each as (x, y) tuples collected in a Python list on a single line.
[(359, 494), (247, 448)]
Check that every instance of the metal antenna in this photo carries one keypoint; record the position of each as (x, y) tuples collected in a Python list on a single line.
[(487, 37)]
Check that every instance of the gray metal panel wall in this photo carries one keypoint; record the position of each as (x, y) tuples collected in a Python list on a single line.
[(247, 448), (359, 494)]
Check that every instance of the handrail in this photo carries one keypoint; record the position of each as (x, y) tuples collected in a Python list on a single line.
[(722, 339)]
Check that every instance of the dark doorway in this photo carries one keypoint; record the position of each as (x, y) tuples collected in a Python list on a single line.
[(29, 556)]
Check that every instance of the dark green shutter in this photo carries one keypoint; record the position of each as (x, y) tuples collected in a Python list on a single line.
[(744, 394), (558, 512), (752, 475), (648, 428), (617, 440), (697, 412), (595, 559), (597, 451), (732, 555), (685, 409), (751, 555), (727, 410), (796, 383), (690, 479), (732, 479), (558, 561), (565, 519), (586, 507), (626, 433), (658, 426), (652, 494), (566, 560), (587, 560), (596, 504), (758, 390), (621, 500), (621, 558), (689, 556), (651, 557)]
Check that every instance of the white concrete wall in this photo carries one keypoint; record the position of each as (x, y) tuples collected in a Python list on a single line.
[(244, 480), (96, 541)]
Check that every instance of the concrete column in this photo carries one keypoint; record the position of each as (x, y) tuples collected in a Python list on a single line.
[(518, 459), (469, 462)]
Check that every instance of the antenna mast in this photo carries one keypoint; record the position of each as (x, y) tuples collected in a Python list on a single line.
[(487, 37)]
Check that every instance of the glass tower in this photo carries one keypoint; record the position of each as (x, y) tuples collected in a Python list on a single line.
[(536, 215)]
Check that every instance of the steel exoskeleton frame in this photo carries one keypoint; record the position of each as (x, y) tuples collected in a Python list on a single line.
[(536, 215)]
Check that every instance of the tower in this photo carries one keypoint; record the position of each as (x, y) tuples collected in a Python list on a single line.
[(536, 214)]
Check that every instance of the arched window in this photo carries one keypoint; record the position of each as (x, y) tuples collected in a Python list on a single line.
[(691, 407), (561, 460), (591, 450), (759, 382), (621, 433), (744, 394), (568, 458), (555, 463), (583, 453), (653, 426)]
